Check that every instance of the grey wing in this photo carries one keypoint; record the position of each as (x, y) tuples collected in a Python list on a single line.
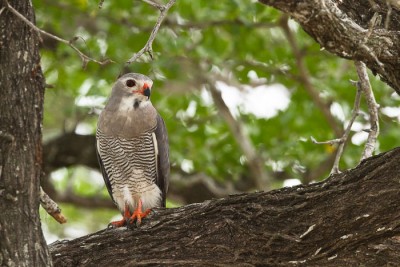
[(163, 158), (103, 171)]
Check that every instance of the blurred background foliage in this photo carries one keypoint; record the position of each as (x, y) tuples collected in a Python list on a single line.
[(242, 47)]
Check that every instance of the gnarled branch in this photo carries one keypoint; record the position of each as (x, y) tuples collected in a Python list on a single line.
[(343, 28), (350, 219)]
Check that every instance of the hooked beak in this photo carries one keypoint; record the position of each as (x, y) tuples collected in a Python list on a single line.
[(146, 90)]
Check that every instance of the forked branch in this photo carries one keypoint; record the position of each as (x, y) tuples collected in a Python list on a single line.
[(373, 132), (342, 140), (363, 86)]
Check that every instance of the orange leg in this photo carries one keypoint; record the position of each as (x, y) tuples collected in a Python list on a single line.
[(138, 214), (122, 222)]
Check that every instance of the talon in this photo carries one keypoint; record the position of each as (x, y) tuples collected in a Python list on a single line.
[(123, 221), (116, 224), (138, 214)]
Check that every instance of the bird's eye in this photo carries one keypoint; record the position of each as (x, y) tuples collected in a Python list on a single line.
[(130, 83)]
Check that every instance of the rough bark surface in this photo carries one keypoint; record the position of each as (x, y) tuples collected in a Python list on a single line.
[(21, 105), (346, 29), (351, 219)]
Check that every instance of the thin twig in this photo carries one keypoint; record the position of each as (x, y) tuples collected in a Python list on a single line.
[(329, 142), (342, 141), (355, 112), (375, 21), (154, 4), (148, 48), (388, 15), (305, 77), (372, 109), (51, 207), (101, 4), (85, 59), (254, 159)]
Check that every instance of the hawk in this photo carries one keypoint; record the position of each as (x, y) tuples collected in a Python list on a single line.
[(132, 149)]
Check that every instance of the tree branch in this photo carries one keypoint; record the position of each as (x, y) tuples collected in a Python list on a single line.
[(343, 140), (339, 28), (154, 4), (305, 78), (254, 160), (347, 220), (85, 59), (148, 48), (51, 207), (372, 109)]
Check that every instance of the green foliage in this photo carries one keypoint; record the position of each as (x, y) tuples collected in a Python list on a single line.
[(235, 37)]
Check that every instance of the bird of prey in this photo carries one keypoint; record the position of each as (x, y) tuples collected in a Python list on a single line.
[(132, 149)]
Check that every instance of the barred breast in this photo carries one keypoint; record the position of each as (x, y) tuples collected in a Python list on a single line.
[(131, 167)]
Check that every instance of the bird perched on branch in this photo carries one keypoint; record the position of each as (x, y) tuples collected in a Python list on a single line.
[(132, 149)]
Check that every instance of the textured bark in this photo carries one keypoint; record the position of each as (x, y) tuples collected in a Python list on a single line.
[(21, 106), (344, 28), (351, 219)]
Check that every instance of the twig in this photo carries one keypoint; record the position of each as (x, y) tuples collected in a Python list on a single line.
[(388, 15), (372, 109), (85, 59), (329, 142), (255, 161), (101, 4), (51, 207), (154, 4), (390, 5), (342, 141), (375, 21), (148, 46), (355, 112), (305, 78)]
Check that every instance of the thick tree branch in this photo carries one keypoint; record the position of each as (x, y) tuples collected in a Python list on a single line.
[(350, 219), (342, 27), (68, 150)]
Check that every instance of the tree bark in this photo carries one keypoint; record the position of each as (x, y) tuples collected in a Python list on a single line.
[(21, 111), (346, 28), (351, 219)]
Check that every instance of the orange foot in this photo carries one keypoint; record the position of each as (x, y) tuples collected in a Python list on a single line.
[(138, 214), (122, 222)]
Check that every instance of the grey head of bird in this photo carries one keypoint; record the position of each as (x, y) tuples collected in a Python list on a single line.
[(133, 85), (129, 112)]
